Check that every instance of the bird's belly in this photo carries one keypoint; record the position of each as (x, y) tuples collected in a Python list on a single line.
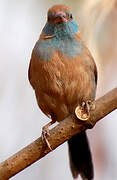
[(62, 85)]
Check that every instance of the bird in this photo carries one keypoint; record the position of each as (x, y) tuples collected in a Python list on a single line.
[(63, 74)]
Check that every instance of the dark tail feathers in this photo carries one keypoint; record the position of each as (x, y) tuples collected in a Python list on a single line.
[(80, 156)]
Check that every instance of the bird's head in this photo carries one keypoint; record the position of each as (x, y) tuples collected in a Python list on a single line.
[(60, 22), (59, 14)]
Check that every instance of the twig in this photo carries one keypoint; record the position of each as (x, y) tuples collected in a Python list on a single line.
[(58, 135)]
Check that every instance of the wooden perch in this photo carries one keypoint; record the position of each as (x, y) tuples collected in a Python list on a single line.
[(58, 135)]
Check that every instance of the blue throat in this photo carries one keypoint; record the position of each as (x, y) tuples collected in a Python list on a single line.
[(61, 30), (63, 40)]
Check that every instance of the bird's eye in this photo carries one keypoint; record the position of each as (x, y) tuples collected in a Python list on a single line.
[(48, 18), (70, 16)]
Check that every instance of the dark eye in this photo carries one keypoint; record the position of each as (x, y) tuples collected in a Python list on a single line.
[(49, 18), (70, 16)]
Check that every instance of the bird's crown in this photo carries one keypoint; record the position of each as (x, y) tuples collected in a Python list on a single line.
[(59, 7)]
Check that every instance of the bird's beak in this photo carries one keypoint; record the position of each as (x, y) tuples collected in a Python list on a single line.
[(60, 16)]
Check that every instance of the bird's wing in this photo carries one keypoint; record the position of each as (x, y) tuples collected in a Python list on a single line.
[(88, 54), (32, 71)]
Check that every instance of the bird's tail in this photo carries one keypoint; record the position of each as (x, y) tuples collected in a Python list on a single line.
[(80, 156)]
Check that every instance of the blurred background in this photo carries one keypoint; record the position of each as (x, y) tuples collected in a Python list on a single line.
[(21, 121)]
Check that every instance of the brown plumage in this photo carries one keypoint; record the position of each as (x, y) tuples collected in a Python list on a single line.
[(59, 7), (61, 79)]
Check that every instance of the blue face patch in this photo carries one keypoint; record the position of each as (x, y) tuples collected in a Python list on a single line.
[(63, 40)]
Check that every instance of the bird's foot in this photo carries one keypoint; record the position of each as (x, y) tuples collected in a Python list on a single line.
[(83, 111), (45, 134)]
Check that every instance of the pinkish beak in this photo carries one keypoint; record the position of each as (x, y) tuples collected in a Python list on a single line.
[(62, 15)]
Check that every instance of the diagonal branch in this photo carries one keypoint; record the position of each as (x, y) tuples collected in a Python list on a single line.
[(58, 135)]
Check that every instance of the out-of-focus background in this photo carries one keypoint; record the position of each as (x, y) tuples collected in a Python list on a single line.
[(21, 120)]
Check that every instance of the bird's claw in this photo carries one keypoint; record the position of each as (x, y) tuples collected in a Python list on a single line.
[(45, 134), (83, 111)]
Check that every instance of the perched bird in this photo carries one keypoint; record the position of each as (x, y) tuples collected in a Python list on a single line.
[(63, 75)]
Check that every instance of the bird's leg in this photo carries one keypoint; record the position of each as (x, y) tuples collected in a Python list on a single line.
[(45, 133), (83, 111)]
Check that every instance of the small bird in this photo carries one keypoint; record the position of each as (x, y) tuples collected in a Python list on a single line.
[(63, 75)]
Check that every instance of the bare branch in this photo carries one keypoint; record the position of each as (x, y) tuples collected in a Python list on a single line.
[(58, 135)]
